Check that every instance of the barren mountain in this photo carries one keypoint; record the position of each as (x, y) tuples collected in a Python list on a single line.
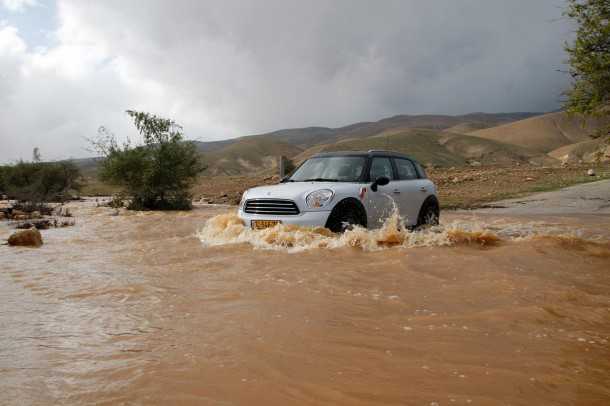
[(259, 152), (543, 133)]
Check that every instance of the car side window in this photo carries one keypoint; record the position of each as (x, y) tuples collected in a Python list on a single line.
[(420, 170), (405, 169), (381, 167)]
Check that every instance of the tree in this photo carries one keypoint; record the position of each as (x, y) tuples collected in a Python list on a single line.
[(157, 174), (589, 58)]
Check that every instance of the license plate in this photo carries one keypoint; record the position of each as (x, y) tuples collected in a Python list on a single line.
[(262, 224)]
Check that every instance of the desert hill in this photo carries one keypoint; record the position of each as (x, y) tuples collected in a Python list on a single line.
[(248, 155), (436, 148), (587, 151), (254, 153), (542, 133)]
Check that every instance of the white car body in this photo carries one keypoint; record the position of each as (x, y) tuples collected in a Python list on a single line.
[(408, 195)]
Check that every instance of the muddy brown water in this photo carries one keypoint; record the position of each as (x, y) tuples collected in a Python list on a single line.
[(193, 309)]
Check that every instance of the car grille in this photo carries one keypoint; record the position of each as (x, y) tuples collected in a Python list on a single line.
[(277, 207)]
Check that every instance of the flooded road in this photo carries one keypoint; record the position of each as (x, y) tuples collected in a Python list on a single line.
[(193, 309)]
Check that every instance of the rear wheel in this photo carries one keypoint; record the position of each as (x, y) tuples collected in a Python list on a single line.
[(345, 216), (429, 214)]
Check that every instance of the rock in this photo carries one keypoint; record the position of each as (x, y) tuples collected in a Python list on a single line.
[(35, 215), (26, 238), (17, 213), (591, 172), (529, 179), (38, 224), (475, 163), (455, 180)]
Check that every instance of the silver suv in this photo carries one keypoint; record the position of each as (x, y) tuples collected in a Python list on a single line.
[(341, 189)]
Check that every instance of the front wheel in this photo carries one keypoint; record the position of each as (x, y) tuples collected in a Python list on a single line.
[(429, 214)]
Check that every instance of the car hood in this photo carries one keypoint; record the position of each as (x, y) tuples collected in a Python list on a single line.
[(289, 190)]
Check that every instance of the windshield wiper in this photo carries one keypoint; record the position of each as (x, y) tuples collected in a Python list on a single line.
[(320, 180)]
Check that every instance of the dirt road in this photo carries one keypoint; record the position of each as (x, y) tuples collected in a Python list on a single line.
[(588, 198)]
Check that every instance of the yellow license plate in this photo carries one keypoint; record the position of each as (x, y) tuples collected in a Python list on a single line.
[(262, 224)]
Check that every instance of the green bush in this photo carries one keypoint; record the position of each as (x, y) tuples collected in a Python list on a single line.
[(156, 175), (39, 182)]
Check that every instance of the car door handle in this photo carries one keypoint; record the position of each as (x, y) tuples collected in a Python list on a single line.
[(423, 189), (396, 191)]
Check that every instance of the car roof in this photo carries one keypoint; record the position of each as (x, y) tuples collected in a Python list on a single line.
[(370, 153)]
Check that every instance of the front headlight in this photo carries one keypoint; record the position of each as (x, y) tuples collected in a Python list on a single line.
[(319, 198)]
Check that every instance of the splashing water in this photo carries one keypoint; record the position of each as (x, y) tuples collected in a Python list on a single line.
[(226, 229)]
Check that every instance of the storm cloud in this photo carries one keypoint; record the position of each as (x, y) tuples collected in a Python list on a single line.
[(230, 68)]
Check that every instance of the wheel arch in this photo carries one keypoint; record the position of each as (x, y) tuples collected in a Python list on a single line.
[(430, 199), (349, 201)]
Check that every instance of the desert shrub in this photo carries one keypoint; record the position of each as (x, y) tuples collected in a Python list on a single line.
[(156, 175), (39, 182), (3, 174)]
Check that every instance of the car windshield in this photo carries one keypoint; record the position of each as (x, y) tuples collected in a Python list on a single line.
[(331, 169)]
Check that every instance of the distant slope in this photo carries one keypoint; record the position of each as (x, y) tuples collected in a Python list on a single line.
[(248, 155), (310, 136), (211, 146), (88, 166), (254, 153), (438, 148), (542, 133), (587, 151), (468, 127)]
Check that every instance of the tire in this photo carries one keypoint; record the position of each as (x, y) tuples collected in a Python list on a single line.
[(429, 214), (345, 216)]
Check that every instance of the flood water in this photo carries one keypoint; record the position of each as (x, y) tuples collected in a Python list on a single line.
[(193, 309)]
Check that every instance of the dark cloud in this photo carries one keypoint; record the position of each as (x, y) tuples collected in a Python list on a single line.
[(230, 68)]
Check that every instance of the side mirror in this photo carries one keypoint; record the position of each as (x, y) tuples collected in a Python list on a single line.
[(380, 181)]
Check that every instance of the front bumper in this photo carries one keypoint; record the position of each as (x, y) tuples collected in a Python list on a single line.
[(304, 219)]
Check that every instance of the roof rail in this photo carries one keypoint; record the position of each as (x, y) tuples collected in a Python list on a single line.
[(378, 150)]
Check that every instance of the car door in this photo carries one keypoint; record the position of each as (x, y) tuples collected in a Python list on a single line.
[(380, 204), (412, 190)]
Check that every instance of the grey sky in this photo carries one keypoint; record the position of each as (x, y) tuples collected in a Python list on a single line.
[(230, 68)]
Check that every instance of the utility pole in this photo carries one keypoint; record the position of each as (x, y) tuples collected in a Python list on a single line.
[(282, 166)]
